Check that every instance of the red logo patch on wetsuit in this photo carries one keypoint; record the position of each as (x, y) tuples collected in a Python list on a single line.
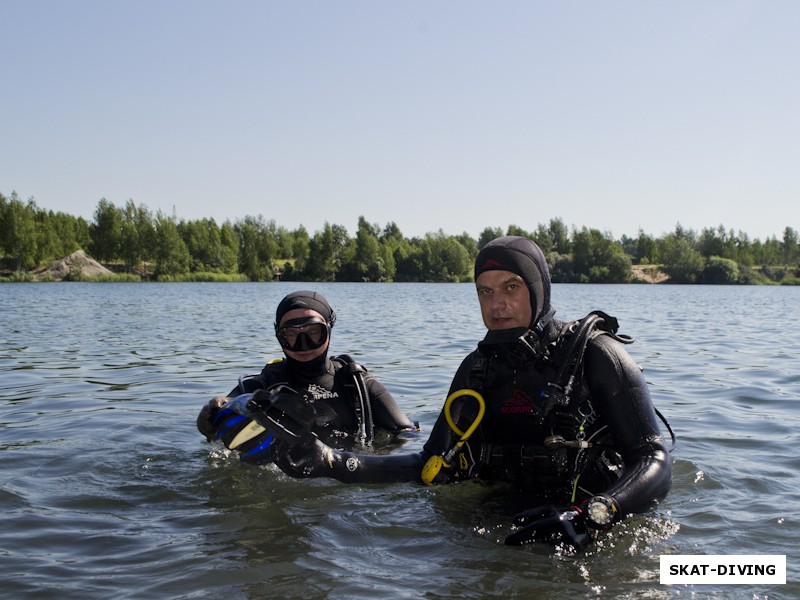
[(519, 404)]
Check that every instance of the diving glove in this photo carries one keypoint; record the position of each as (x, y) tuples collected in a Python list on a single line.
[(551, 525), (574, 526)]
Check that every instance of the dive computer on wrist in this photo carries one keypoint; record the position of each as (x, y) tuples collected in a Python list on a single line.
[(600, 512)]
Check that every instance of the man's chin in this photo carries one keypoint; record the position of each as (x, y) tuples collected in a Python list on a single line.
[(500, 324)]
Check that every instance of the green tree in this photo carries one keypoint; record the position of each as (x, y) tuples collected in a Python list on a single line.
[(106, 232), (710, 243), (489, 234), (170, 251), (71, 233), (469, 244), (48, 244), (18, 232), (679, 258), (445, 259), (646, 249), (561, 268), (543, 239), (392, 234), (137, 235), (367, 262), (326, 253), (285, 241), (559, 234), (257, 248), (409, 259), (518, 231), (720, 270), (302, 245), (597, 258), (770, 252), (791, 248), (229, 248), (204, 241)]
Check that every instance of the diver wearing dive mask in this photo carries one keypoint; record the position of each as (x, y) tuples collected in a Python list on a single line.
[(350, 403), (303, 334)]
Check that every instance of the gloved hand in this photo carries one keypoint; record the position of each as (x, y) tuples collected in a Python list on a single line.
[(312, 459), (552, 525), (217, 421), (205, 420)]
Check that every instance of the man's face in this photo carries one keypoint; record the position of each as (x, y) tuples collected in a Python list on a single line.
[(505, 300), (291, 334)]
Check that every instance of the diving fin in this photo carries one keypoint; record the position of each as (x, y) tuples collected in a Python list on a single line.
[(285, 413)]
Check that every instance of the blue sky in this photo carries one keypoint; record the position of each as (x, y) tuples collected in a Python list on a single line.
[(452, 115)]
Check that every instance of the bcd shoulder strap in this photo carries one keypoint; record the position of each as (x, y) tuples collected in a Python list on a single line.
[(571, 347), (352, 376)]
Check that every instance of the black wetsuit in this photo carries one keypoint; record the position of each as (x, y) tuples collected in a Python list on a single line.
[(323, 381), (634, 469), (629, 460)]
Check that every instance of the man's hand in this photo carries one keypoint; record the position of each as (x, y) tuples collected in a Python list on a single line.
[(205, 420), (551, 525), (306, 460)]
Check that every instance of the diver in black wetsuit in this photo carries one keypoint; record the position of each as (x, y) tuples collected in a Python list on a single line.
[(559, 408), (350, 404)]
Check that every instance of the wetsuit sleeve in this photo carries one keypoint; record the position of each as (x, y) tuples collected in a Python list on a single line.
[(386, 414), (318, 460), (621, 397)]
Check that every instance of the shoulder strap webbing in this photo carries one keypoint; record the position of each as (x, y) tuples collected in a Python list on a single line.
[(570, 357), (361, 401)]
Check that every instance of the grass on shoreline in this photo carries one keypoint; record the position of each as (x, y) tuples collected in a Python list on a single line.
[(25, 277)]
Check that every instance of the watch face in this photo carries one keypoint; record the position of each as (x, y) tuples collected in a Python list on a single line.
[(599, 512)]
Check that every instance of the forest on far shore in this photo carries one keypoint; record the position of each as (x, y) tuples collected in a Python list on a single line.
[(137, 244)]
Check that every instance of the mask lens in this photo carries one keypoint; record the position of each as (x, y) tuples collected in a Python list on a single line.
[(305, 335)]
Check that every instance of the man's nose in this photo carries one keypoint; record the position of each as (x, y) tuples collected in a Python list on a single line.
[(498, 301)]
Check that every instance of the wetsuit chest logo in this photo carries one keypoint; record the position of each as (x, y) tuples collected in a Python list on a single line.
[(320, 393), (519, 403)]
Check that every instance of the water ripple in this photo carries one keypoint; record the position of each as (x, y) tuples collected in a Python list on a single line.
[(108, 490)]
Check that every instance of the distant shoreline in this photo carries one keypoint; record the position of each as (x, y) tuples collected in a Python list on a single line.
[(78, 266)]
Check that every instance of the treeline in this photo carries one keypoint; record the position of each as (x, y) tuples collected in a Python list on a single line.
[(157, 246)]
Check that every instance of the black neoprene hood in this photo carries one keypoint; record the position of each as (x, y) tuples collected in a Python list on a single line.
[(308, 300), (523, 257)]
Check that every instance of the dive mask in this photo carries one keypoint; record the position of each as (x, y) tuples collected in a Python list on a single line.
[(303, 334)]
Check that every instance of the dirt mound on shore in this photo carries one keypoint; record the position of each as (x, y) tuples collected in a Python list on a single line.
[(75, 264), (649, 274)]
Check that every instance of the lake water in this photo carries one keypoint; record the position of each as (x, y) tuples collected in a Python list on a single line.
[(107, 490)]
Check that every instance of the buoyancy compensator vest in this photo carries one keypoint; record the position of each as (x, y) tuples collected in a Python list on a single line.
[(253, 442), (569, 447)]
